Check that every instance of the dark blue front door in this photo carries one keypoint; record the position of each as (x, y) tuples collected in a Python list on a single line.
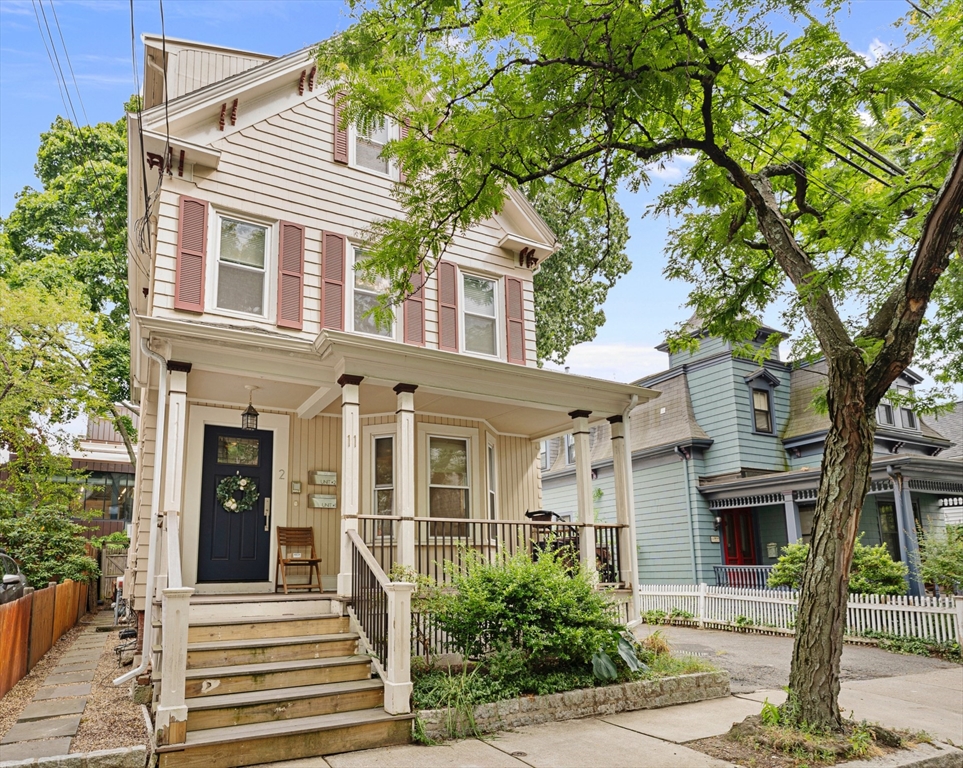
[(235, 546)]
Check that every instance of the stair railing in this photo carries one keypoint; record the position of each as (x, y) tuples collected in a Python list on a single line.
[(382, 610), (170, 722)]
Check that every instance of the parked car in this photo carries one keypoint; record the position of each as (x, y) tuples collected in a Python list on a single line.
[(13, 580)]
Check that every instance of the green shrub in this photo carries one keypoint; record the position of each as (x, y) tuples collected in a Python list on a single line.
[(550, 613), (48, 545), (942, 558), (873, 571)]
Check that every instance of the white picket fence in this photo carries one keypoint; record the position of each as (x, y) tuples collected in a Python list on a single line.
[(931, 618)]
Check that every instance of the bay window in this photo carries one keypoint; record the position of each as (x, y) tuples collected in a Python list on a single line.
[(449, 488)]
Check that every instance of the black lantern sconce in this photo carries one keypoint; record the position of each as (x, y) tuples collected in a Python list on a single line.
[(717, 523), (249, 417)]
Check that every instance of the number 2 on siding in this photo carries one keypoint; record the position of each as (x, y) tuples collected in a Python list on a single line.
[(280, 474)]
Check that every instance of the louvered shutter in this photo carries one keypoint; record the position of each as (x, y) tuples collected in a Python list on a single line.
[(291, 276), (447, 306), (414, 311), (403, 134), (515, 320), (191, 255), (332, 281), (340, 134)]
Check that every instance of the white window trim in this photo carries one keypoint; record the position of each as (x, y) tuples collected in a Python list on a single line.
[(368, 435), (477, 490), (499, 314), (491, 471), (392, 174), (269, 300), (349, 304), (544, 455), (569, 442)]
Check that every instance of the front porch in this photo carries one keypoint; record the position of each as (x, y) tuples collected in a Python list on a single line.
[(392, 456)]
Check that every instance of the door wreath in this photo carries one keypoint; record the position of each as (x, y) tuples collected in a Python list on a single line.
[(229, 488)]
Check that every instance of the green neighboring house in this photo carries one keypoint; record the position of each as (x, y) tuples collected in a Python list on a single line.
[(726, 468)]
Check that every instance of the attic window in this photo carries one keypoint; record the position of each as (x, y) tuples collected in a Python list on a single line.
[(884, 413), (368, 148), (907, 417)]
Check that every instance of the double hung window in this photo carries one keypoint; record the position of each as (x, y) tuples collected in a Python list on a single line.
[(480, 315), (366, 293), (569, 449), (384, 476), (241, 274), (449, 488), (906, 415), (368, 147), (761, 411)]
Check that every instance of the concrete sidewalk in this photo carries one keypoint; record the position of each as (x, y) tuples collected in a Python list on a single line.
[(655, 738)]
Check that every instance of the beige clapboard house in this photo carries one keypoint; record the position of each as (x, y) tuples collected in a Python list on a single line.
[(393, 445)]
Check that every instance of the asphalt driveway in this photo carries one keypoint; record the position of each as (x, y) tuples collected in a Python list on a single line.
[(761, 662)]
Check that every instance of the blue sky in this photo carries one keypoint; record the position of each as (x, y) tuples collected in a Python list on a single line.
[(98, 40)]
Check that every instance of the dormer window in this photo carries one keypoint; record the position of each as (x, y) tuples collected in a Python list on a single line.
[(884, 413), (906, 415), (761, 411), (761, 385)]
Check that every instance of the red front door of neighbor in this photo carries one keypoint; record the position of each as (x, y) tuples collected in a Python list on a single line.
[(738, 541)]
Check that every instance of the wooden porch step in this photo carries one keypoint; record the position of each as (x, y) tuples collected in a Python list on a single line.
[(283, 704), (250, 628), (264, 605), (226, 653), (256, 743), (211, 681)]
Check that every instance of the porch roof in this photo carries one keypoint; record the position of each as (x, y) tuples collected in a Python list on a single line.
[(513, 399)]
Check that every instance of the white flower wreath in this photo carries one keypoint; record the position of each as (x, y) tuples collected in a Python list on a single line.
[(230, 487)]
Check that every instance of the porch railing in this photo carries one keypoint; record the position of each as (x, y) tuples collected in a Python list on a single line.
[(446, 540), (382, 610), (743, 576)]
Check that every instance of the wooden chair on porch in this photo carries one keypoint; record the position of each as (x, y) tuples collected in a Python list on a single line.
[(296, 550)]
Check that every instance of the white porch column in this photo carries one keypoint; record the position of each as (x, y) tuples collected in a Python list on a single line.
[(583, 489), (793, 525), (170, 726), (398, 664), (404, 451), (174, 451), (350, 473), (625, 510)]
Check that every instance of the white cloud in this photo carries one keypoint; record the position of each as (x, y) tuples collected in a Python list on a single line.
[(877, 51), (615, 362), (672, 169)]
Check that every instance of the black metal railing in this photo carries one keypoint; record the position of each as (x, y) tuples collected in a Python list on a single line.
[(369, 602), (442, 544), (743, 576)]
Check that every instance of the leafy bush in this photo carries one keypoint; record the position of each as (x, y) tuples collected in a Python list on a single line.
[(873, 571), (549, 613), (48, 545), (112, 541), (942, 558)]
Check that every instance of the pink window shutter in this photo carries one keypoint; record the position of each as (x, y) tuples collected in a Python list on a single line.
[(414, 311), (403, 134), (291, 276), (515, 320), (191, 255), (447, 306), (332, 280), (340, 134)]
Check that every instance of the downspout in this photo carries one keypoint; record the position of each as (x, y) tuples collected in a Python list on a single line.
[(154, 541), (688, 506), (908, 545)]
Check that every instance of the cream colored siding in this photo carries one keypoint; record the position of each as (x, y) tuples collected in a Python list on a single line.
[(519, 481), (190, 69), (137, 561), (280, 168)]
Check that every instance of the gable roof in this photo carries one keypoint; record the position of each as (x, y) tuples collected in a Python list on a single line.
[(950, 424)]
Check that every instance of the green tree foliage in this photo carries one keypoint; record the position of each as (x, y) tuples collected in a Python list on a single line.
[(873, 572), (819, 180), (71, 234), (48, 546), (942, 558), (48, 366)]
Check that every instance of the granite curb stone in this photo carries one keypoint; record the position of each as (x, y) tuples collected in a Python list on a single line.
[(125, 757)]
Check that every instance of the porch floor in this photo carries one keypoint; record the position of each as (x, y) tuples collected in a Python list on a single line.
[(261, 597)]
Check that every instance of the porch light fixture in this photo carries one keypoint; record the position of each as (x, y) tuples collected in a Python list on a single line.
[(717, 523), (249, 417)]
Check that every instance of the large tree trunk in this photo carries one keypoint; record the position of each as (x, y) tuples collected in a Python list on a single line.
[(814, 678)]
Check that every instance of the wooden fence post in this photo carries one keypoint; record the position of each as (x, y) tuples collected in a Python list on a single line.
[(701, 609), (171, 720), (398, 664), (959, 619)]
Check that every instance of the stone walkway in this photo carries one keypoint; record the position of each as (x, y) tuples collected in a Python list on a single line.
[(48, 724)]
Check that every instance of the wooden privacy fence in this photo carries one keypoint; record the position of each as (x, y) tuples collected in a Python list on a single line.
[(112, 564), (937, 619), (31, 625)]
